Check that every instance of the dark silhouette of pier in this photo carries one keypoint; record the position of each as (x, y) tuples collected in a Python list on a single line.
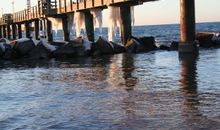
[(61, 8)]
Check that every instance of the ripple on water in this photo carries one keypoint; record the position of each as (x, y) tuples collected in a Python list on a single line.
[(144, 91)]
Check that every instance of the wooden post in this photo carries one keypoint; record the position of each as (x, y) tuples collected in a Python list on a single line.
[(4, 31), (27, 29), (125, 13), (66, 32), (49, 30), (187, 26), (36, 29), (89, 26), (8, 32), (1, 36), (19, 30), (13, 31)]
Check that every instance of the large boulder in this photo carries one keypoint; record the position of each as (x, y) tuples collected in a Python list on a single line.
[(39, 52), (216, 39), (205, 39), (118, 48), (102, 46), (174, 45), (164, 47), (23, 46), (73, 49), (10, 53), (149, 43), (2, 49), (142, 44)]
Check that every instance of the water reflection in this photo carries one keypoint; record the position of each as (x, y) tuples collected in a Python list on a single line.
[(128, 68)]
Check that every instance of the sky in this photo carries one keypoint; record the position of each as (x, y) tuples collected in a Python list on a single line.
[(150, 13)]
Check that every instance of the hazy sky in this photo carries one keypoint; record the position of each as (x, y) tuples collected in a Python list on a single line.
[(160, 12)]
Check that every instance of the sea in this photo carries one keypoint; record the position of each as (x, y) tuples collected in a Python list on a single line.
[(158, 90)]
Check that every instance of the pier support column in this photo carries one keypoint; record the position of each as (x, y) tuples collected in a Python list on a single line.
[(19, 30), (4, 31), (49, 32), (187, 27), (125, 13), (27, 29), (1, 36), (89, 26), (36, 29), (66, 32), (8, 32), (13, 31)]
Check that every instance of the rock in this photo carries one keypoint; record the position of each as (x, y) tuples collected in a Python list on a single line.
[(2, 49), (149, 43), (216, 39), (69, 50), (39, 52), (133, 45), (10, 53), (205, 39), (118, 48), (23, 46), (55, 43), (102, 46), (164, 47), (4, 40), (174, 45)]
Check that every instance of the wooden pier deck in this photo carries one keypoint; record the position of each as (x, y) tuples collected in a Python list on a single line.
[(56, 8)]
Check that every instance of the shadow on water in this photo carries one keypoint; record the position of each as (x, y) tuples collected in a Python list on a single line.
[(128, 68), (191, 109)]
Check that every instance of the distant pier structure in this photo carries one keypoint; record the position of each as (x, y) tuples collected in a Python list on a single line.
[(11, 24)]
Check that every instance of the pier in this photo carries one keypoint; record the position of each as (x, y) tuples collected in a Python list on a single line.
[(10, 24)]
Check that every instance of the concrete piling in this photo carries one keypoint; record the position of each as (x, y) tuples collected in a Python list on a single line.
[(187, 26), (49, 33), (8, 32), (66, 32), (19, 30), (13, 31), (89, 25), (36, 29), (27, 29)]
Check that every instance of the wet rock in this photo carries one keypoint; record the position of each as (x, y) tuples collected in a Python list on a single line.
[(55, 43), (10, 53), (174, 45), (216, 40), (134, 45), (149, 43), (142, 44), (164, 47), (205, 39), (102, 46), (70, 50), (23, 46), (118, 48), (39, 52)]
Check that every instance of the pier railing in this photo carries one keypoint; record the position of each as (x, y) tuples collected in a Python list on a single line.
[(58, 7)]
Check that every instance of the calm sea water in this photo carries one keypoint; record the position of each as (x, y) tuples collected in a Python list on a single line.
[(156, 90)]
